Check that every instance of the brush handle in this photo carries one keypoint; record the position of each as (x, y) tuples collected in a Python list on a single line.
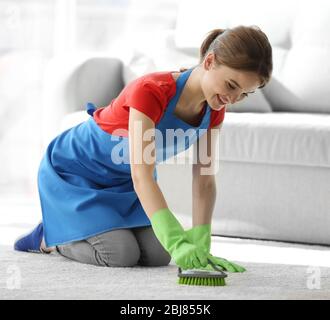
[(216, 268)]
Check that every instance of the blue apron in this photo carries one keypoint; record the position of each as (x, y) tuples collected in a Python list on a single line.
[(84, 179)]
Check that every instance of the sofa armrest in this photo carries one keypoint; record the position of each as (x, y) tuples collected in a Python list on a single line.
[(71, 82)]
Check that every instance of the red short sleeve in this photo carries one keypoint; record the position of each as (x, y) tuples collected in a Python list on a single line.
[(148, 98), (149, 94), (217, 117)]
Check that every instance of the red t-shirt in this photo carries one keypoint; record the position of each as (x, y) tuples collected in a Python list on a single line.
[(149, 94)]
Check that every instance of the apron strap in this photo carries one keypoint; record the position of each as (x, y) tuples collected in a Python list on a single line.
[(180, 83), (90, 108)]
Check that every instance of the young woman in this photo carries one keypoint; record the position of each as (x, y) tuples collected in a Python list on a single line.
[(100, 200)]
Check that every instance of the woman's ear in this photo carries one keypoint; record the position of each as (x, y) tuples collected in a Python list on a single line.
[(209, 61)]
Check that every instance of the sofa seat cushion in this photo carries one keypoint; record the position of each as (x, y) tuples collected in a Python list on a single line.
[(276, 138), (272, 138)]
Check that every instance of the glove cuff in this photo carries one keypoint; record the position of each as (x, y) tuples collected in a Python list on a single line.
[(167, 229)]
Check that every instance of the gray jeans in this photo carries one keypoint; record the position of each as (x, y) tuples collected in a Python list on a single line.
[(118, 248)]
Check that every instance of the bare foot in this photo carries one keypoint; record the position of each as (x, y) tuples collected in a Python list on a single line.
[(45, 249)]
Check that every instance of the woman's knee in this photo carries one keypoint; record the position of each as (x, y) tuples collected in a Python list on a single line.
[(117, 248), (126, 254), (152, 252), (155, 259)]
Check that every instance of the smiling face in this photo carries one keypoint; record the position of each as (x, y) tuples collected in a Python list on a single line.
[(222, 85)]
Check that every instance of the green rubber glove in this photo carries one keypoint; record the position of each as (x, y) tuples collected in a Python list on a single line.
[(171, 235), (201, 235)]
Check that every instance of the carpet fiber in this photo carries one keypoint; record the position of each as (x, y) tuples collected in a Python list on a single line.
[(40, 276)]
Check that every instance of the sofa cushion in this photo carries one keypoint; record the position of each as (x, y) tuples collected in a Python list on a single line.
[(276, 138), (255, 102), (303, 83), (271, 138), (164, 56), (301, 44), (212, 14)]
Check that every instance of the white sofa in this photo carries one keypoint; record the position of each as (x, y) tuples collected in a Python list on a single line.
[(274, 160)]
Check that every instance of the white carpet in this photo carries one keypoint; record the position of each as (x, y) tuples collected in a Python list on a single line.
[(274, 271), (38, 276)]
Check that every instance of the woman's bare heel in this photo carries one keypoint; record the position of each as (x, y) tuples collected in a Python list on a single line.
[(45, 249)]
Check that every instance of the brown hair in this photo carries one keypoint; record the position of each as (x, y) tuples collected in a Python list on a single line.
[(243, 48)]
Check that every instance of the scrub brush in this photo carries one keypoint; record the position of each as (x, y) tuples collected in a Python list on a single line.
[(202, 277)]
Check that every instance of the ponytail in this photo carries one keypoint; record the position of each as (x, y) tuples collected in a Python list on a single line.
[(212, 35)]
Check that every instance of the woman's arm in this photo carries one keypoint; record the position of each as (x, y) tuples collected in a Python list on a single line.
[(166, 227), (142, 161), (204, 169)]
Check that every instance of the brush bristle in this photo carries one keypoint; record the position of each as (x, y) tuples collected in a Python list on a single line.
[(198, 281)]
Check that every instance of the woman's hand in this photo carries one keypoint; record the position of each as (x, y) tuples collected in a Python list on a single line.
[(171, 235), (226, 265), (200, 235)]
